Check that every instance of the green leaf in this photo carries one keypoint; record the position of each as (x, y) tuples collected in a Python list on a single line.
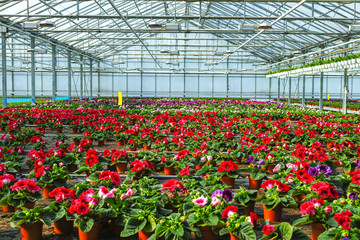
[(299, 234), (224, 231), (301, 221), (49, 217), (87, 226), (133, 226), (213, 220), (246, 231), (179, 231), (285, 230)]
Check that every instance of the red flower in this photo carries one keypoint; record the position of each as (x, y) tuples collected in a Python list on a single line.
[(173, 185), (230, 210), (253, 219), (321, 157), (62, 193), (343, 219), (39, 170), (91, 160), (227, 166), (267, 229), (307, 208), (137, 167), (356, 179), (131, 141), (185, 171)]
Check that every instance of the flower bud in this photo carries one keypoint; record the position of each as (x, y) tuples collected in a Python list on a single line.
[(328, 209)]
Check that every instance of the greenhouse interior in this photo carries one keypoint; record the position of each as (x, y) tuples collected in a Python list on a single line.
[(176, 120)]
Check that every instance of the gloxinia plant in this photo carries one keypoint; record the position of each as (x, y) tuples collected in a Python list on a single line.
[(228, 168), (283, 231), (275, 194), (314, 211), (238, 225), (46, 175), (140, 169), (22, 192), (256, 168)]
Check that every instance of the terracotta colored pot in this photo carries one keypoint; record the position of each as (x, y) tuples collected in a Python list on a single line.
[(228, 181), (132, 149), (121, 167), (58, 130), (349, 173), (28, 205), (169, 170), (115, 228), (233, 237), (74, 130), (8, 209), (316, 230), (119, 143), (144, 235), (72, 167), (93, 234), (63, 226), (206, 233), (76, 142), (146, 147), (328, 145), (273, 215), (100, 143), (31, 231), (254, 184), (250, 208), (46, 190)]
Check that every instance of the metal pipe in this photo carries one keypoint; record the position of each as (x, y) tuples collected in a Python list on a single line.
[(313, 87), (263, 30), (98, 75), (303, 92), (53, 69), (91, 79), (137, 36), (4, 72), (269, 89), (345, 91), (69, 74), (81, 77), (289, 97), (321, 107), (32, 46)]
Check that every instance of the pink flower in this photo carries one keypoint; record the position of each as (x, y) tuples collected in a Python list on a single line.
[(129, 192), (123, 196), (215, 201), (328, 209), (201, 201), (93, 202), (277, 168), (105, 193)]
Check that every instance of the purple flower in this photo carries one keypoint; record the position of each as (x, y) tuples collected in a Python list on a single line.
[(323, 169), (250, 159), (353, 196), (227, 195), (261, 161), (313, 171), (217, 193), (345, 238)]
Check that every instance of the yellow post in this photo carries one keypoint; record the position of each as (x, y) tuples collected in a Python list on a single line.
[(120, 98), (295, 93), (328, 96)]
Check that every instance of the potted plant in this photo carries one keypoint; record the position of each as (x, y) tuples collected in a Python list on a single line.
[(246, 198), (24, 193), (228, 172), (169, 228), (140, 169), (63, 224), (50, 177), (239, 227), (257, 173), (120, 159), (275, 199), (131, 145), (31, 222), (6, 181)]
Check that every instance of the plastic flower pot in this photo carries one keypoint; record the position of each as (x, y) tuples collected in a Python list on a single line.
[(31, 231), (316, 230), (169, 170), (228, 181), (299, 198), (250, 208), (46, 190), (270, 168), (198, 167), (76, 142), (93, 234), (273, 215), (116, 229), (254, 184), (206, 233), (28, 205), (144, 235), (233, 237), (132, 148), (8, 209), (74, 130), (59, 130), (100, 143), (63, 226), (121, 167)]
